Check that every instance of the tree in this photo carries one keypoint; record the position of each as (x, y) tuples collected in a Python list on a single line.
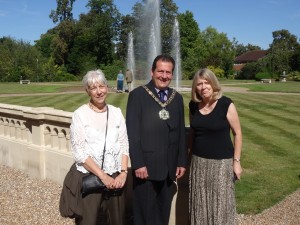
[(44, 44), (295, 59), (168, 12), (282, 51), (7, 48), (17, 60), (104, 29), (189, 32), (62, 42), (219, 50), (63, 11), (241, 49), (127, 26), (190, 44)]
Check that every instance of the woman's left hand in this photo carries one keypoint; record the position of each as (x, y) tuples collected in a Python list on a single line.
[(120, 180), (237, 169)]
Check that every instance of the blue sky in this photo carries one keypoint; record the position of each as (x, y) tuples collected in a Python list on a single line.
[(248, 21)]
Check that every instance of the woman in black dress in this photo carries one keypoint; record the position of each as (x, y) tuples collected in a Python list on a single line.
[(215, 158)]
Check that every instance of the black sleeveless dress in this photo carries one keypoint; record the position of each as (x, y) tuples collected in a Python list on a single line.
[(211, 184)]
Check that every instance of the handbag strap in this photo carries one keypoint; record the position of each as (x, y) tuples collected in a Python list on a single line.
[(104, 149)]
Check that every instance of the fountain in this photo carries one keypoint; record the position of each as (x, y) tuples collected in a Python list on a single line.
[(147, 39), (130, 57), (176, 53), (148, 43)]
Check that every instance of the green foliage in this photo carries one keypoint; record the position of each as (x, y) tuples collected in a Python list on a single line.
[(18, 60), (218, 50), (295, 75), (63, 11), (168, 12), (241, 49), (217, 71), (262, 75), (284, 48), (249, 71), (190, 44), (44, 44), (127, 26), (62, 42), (63, 75), (112, 70)]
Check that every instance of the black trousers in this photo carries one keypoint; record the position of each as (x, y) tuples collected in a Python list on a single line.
[(152, 201)]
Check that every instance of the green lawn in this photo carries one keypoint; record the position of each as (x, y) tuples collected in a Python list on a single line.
[(271, 137)]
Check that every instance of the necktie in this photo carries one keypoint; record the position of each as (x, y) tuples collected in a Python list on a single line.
[(162, 94)]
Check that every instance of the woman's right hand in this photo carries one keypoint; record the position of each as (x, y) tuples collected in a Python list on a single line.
[(108, 181)]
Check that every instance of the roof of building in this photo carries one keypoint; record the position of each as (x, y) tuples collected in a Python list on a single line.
[(238, 67), (251, 56)]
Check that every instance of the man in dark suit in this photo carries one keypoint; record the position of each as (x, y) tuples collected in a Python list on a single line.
[(156, 132)]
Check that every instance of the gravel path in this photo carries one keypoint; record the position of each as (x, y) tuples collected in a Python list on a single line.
[(27, 201)]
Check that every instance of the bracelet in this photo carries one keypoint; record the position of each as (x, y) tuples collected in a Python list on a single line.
[(236, 159), (125, 171)]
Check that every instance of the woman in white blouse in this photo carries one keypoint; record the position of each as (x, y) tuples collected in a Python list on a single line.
[(95, 126)]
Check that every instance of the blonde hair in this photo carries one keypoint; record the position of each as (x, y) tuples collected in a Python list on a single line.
[(209, 76)]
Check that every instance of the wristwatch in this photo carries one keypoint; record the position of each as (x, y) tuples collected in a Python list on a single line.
[(125, 171), (236, 159)]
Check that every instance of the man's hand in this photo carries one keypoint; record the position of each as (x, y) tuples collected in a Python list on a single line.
[(180, 172), (141, 173)]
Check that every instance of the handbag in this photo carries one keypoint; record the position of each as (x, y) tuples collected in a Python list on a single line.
[(92, 183)]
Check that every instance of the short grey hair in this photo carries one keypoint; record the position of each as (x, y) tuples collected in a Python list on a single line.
[(208, 75), (93, 77)]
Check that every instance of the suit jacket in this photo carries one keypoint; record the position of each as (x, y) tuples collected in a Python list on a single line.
[(155, 143)]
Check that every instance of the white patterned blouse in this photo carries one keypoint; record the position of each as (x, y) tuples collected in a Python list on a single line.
[(88, 137)]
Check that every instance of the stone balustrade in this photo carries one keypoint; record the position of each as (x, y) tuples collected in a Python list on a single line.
[(36, 140)]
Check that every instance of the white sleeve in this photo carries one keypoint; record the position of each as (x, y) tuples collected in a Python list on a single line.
[(78, 137)]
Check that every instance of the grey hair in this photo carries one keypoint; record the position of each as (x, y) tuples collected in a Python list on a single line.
[(93, 77), (208, 75)]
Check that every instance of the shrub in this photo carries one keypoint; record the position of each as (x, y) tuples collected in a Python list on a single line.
[(112, 70), (262, 75), (249, 71), (217, 71), (295, 75)]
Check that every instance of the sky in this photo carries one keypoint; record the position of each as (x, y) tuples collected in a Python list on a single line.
[(248, 21)]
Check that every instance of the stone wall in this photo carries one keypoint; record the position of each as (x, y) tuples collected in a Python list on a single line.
[(36, 140)]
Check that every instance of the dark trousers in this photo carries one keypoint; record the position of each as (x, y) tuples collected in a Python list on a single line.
[(152, 201), (100, 209), (120, 85)]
